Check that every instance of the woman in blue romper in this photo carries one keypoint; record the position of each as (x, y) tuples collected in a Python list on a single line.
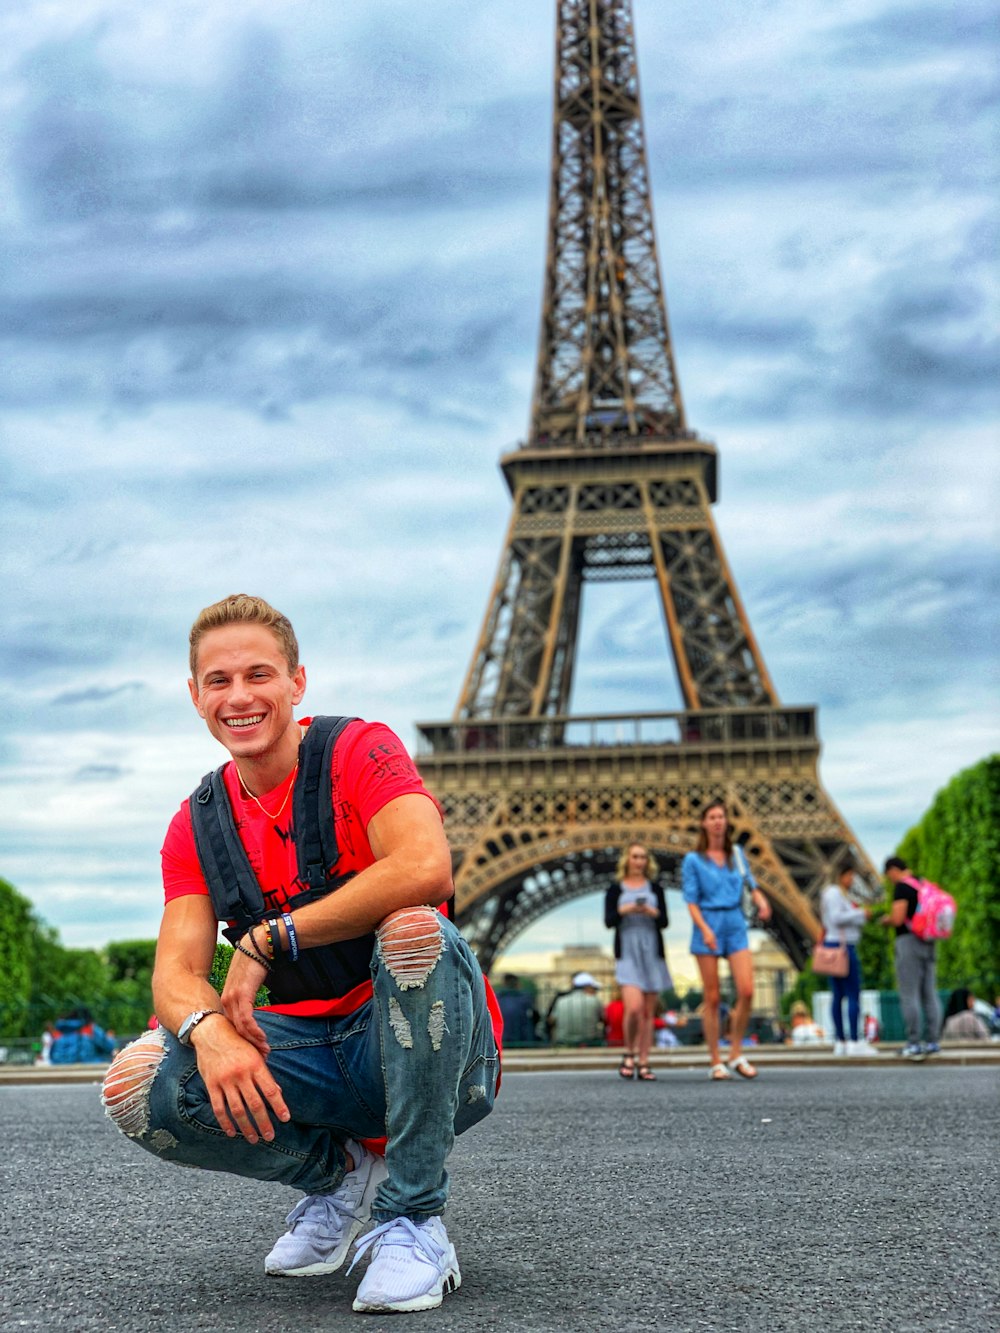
[(712, 884), (636, 911)]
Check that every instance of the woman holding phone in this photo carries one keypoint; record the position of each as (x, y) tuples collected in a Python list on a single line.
[(636, 910), (712, 883)]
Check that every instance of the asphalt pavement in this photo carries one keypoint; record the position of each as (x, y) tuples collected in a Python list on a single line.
[(838, 1197)]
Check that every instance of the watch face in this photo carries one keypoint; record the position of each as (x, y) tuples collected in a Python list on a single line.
[(192, 1021)]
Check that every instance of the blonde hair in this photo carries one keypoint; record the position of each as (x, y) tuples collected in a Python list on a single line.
[(239, 608), (652, 865)]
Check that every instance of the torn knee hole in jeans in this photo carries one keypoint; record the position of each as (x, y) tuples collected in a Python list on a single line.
[(125, 1094), (410, 943)]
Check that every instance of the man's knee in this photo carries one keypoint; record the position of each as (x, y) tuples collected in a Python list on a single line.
[(125, 1094), (410, 942)]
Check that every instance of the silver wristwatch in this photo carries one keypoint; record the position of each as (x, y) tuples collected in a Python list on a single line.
[(191, 1022)]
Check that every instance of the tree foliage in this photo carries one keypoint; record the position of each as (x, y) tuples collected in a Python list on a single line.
[(131, 960), (17, 928), (957, 845), (41, 980)]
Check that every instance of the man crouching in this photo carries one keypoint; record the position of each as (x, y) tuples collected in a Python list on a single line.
[(320, 846)]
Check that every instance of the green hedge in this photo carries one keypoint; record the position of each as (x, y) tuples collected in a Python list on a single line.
[(957, 845)]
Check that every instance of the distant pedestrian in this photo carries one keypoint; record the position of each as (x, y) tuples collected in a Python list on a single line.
[(45, 1045), (916, 965), (635, 908), (576, 1017), (712, 882), (842, 921)]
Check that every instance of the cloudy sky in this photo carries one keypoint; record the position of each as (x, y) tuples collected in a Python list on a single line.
[(270, 279)]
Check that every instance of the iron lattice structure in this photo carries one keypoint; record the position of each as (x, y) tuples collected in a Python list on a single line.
[(611, 484)]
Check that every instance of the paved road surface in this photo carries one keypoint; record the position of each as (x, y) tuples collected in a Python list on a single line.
[(816, 1198)]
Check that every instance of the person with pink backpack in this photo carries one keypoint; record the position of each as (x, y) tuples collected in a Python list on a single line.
[(921, 914)]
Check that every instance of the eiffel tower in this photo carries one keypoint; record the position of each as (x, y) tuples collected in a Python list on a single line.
[(611, 484)]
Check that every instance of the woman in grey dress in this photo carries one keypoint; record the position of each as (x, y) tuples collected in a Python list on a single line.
[(636, 910)]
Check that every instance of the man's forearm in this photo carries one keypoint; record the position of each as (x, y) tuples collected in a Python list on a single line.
[(358, 906), (178, 994)]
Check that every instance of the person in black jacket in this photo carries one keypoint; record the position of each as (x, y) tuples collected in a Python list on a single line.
[(636, 910)]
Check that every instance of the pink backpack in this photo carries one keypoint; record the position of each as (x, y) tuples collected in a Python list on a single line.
[(934, 918)]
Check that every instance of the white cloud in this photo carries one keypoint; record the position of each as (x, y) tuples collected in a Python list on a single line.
[(269, 310)]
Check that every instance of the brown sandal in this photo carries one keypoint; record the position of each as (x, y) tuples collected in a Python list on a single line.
[(645, 1074), (627, 1067)]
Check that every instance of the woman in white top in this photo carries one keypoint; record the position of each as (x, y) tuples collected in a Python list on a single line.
[(842, 921)]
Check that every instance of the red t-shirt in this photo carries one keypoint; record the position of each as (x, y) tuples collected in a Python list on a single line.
[(370, 768)]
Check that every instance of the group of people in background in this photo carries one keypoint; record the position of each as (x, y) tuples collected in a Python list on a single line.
[(714, 880), (720, 892), (76, 1040)]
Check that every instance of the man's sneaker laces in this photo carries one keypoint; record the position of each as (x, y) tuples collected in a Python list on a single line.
[(322, 1226), (413, 1266)]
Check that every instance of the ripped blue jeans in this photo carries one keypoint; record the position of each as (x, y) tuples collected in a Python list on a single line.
[(417, 1064)]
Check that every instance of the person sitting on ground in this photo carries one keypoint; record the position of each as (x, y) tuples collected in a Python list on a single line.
[(961, 1022), (575, 1017), (320, 845), (520, 1017), (804, 1031), (614, 1018), (78, 1040)]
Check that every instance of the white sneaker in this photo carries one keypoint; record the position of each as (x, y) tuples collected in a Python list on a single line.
[(413, 1265), (840, 1048), (324, 1225), (861, 1048)]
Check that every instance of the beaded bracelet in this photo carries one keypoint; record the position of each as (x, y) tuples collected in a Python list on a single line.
[(265, 955), (293, 939), (257, 958)]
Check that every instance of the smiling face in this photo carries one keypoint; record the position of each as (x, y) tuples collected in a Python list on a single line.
[(245, 692)]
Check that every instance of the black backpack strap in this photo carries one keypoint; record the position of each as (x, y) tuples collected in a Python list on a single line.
[(312, 804), (232, 884)]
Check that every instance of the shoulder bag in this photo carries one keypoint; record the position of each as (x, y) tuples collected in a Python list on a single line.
[(830, 960)]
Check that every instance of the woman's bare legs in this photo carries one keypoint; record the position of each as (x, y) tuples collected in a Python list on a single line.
[(634, 1020), (708, 966), (646, 1027), (741, 969)]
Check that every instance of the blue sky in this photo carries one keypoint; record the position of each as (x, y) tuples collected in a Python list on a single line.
[(270, 281)]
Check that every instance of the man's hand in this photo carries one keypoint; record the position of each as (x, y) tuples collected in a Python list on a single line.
[(242, 1090), (243, 981)]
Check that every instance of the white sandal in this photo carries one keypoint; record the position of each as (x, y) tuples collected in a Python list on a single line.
[(742, 1066), (718, 1073)]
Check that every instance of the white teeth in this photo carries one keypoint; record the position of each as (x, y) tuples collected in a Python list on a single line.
[(244, 721)]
